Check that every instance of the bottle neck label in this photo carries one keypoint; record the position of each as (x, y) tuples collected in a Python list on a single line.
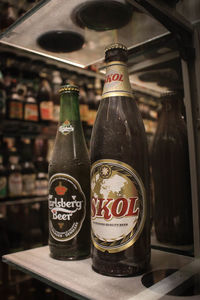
[(118, 205), (117, 81), (66, 127), (67, 207)]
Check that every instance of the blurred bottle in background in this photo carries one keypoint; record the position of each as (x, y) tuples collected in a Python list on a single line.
[(44, 98), (28, 169), (171, 174), (56, 83), (41, 164), (15, 184)]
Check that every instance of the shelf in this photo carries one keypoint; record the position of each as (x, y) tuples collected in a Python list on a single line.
[(20, 128), (23, 200), (77, 278), (24, 33), (141, 28), (179, 249)]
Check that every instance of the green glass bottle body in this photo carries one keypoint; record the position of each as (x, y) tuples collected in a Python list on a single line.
[(119, 177), (69, 184)]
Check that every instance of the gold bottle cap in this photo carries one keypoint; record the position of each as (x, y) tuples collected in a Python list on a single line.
[(68, 88), (115, 46)]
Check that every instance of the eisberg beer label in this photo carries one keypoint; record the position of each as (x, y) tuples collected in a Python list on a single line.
[(118, 205), (67, 207), (117, 80)]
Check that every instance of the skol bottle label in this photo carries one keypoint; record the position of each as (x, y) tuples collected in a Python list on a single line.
[(117, 80), (67, 207), (118, 205)]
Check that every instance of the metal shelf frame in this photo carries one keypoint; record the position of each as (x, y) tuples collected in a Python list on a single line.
[(187, 36)]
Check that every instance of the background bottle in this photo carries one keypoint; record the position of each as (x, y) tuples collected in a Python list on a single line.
[(14, 175), (31, 111), (69, 184), (3, 179), (119, 176), (15, 101), (44, 98), (56, 83), (171, 175), (2, 98), (28, 169), (41, 165)]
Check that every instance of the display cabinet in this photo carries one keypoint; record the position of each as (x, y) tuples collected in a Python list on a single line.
[(163, 39)]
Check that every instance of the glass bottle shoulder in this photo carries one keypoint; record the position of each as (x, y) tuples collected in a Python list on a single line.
[(69, 153), (118, 132), (119, 115)]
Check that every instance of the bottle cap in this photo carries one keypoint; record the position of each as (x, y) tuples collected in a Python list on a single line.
[(115, 46), (68, 88)]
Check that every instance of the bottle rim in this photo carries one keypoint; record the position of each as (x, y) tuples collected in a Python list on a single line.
[(115, 46), (68, 88)]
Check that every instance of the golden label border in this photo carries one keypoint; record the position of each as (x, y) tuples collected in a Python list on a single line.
[(143, 192), (117, 94)]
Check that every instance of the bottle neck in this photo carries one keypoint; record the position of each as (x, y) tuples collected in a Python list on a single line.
[(172, 105), (69, 107), (117, 80)]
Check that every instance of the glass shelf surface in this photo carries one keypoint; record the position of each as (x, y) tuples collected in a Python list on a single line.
[(56, 15), (77, 278)]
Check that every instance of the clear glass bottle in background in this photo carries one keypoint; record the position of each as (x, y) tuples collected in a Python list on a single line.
[(120, 183), (14, 175), (28, 169), (171, 174), (44, 98), (69, 183)]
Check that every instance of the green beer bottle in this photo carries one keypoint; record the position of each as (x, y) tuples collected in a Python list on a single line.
[(69, 183)]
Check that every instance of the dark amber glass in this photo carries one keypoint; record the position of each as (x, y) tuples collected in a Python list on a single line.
[(119, 153), (171, 175)]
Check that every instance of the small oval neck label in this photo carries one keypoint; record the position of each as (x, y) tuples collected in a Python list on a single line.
[(66, 128), (118, 205), (67, 207)]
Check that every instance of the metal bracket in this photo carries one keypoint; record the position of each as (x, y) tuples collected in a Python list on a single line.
[(173, 21)]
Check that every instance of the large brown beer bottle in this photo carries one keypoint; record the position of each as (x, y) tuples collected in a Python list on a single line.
[(171, 175), (69, 184), (119, 176)]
